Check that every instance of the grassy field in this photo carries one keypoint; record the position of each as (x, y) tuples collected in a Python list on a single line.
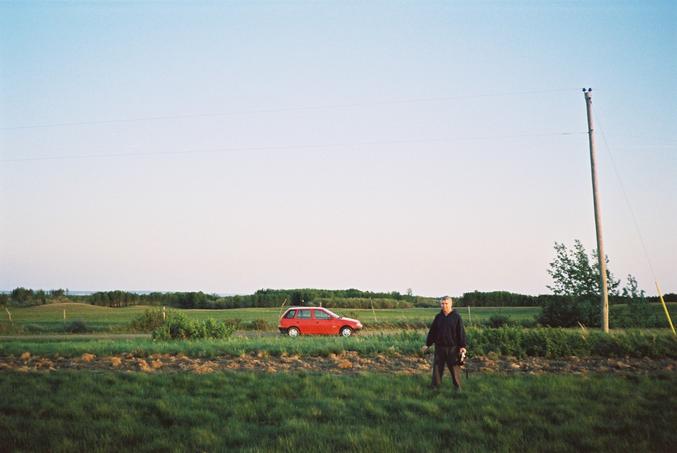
[(543, 342), (76, 411), (51, 317), (87, 410)]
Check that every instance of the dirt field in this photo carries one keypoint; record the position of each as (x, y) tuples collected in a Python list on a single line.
[(349, 362)]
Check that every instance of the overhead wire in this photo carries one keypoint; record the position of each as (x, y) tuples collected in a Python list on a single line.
[(286, 147), (279, 110), (625, 196)]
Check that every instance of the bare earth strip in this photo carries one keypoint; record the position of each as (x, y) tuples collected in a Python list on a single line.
[(345, 363)]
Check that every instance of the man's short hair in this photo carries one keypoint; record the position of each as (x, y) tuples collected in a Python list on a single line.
[(443, 298)]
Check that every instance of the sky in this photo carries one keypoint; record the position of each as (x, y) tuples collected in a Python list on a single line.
[(437, 146)]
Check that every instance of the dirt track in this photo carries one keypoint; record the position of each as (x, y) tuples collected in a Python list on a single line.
[(348, 362)]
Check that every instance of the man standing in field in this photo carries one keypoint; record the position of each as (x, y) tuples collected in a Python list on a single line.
[(448, 335)]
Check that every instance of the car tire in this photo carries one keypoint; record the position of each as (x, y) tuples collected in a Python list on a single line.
[(293, 332), (345, 331)]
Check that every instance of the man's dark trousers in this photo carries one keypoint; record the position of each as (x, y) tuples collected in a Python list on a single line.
[(446, 356)]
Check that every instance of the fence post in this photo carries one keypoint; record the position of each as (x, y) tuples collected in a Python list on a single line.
[(164, 313)]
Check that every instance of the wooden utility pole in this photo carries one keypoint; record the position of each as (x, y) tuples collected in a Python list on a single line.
[(601, 256)]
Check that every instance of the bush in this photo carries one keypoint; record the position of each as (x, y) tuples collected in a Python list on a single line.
[(569, 312), (553, 343), (148, 321), (258, 324), (216, 329), (179, 327), (636, 313), (9, 328), (496, 321), (233, 323), (35, 328), (397, 324), (528, 323), (77, 326)]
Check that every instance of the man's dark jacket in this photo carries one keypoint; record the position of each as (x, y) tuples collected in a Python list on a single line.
[(447, 331)]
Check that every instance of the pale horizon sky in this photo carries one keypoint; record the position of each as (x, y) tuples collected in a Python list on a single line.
[(232, 146)]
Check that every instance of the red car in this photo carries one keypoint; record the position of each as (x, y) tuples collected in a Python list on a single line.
[(317, 321)]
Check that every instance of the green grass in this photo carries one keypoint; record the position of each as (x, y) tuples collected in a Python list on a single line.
[(108, 411), (49, 318), (106, 316), (544, 342)]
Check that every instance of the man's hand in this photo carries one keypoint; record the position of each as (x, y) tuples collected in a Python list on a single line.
[(424, 349), (463, 351)]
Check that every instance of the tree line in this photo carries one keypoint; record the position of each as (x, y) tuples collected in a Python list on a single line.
[(349, 298)]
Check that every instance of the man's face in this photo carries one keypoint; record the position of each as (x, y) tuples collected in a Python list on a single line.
[(445, 305)]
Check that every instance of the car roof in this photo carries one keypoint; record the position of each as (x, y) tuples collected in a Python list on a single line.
[(305, 308)]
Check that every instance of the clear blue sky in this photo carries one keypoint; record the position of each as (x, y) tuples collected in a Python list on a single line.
[(231, 146)]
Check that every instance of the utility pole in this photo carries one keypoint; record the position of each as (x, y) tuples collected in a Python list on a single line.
[(601, 256)]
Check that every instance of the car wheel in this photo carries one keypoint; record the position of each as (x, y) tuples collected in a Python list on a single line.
[(346, 331), (293, 332)]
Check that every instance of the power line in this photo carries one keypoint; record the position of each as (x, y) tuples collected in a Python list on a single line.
[(278, 110), (285, 147), (627, 199)]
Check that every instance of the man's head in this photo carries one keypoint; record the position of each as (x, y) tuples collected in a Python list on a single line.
[(446, 304)]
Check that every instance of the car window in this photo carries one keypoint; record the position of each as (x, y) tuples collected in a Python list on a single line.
[(304, 314), (321, 314), (290, 314)]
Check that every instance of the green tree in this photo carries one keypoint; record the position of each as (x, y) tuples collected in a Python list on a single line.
[(21, 294), (574, 275), (41, 296), (636, 312), (57, 293), (575, 278)]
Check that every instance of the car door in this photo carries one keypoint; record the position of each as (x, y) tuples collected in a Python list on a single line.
[(325, 323), (305, 320)]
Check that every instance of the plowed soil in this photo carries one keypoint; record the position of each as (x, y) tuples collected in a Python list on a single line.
[(346, 363)]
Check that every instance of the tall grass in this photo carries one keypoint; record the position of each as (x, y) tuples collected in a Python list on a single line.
[(107, 411), (518, 342)]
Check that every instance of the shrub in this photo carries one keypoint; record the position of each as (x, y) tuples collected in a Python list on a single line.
[(636, 313), (496, 321), (216, 329), (397, 324), (179, 327), (259, 324), (569, 312), (233, 323), (528, 323), (77, 326), (9, 328), (148, 321), (553, 343), (35, 328)]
